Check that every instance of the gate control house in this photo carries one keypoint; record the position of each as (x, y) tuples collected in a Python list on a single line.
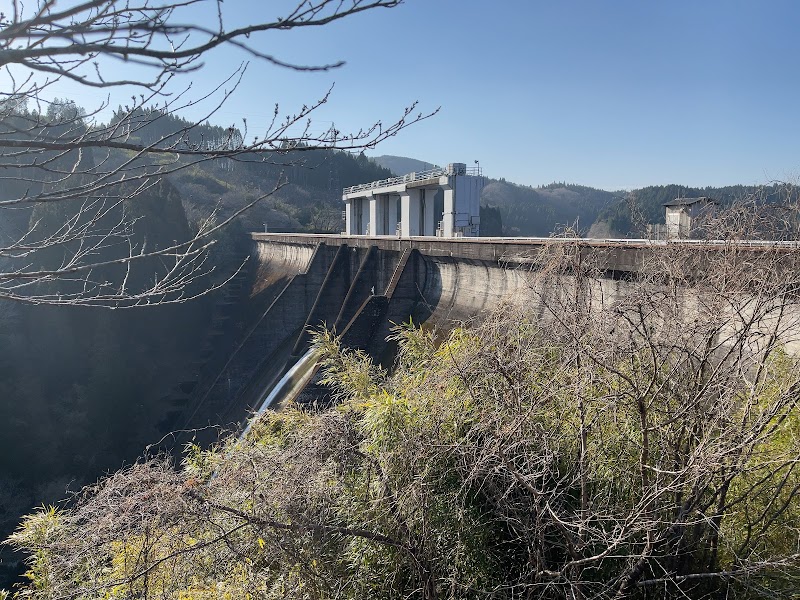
[(443, 202)]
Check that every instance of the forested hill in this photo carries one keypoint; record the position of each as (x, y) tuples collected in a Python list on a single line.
[(402, 165), (528, 211), (310, 199), (630, 213), (83, 391)]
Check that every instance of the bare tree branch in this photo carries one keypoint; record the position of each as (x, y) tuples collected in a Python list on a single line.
[(64, 169)]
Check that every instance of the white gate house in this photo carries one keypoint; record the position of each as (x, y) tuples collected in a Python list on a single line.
[(405, 206)]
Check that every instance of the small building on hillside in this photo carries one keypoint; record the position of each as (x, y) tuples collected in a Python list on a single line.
[(684, 216)]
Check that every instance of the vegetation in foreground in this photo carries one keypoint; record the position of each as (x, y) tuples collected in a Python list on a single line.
[(642, 444)]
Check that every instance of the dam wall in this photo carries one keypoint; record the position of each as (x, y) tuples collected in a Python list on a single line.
[(360, 287)]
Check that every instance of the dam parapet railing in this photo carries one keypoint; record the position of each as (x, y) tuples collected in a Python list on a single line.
[(412, 177)]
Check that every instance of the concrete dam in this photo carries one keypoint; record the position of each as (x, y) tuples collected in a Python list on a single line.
[(359, 286)]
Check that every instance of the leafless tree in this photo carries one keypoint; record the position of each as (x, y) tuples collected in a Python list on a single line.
[(70, 182), (686, 372)]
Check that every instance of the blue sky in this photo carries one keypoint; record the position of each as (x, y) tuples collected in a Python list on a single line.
[(611, 94)]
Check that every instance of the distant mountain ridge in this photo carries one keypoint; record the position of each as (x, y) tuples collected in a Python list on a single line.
[(402, 165)]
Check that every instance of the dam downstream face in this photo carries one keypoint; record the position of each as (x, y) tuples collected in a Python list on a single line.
[(359, 287)]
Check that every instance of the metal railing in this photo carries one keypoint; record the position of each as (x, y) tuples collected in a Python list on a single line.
[(416, 176)]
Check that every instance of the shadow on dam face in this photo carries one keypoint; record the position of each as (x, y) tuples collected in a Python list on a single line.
[(361, 292)]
